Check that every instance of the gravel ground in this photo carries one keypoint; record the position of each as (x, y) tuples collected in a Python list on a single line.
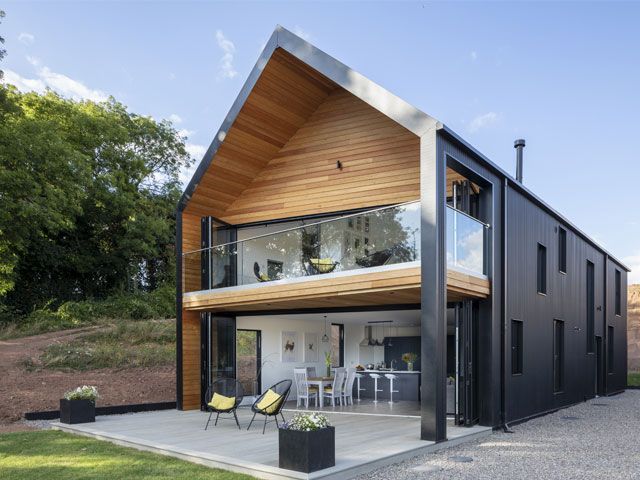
[(599, 439)]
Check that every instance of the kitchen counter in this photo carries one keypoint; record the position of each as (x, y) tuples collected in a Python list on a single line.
[(387, 371)]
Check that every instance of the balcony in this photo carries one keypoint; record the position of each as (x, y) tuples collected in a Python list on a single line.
[(371, 257)]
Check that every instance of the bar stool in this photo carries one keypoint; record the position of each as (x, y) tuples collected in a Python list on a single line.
[(391, 378), (375, 377), (358, 377)]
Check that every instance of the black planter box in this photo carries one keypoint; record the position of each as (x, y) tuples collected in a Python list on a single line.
[(77, 411), (307, 451)]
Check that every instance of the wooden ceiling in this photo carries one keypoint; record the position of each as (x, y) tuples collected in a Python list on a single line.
[(285, 95)]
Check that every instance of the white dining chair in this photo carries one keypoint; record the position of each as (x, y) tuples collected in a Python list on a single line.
[(334, 392), (304, 393), (347, 391)]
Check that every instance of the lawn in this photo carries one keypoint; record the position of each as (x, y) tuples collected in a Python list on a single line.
[(54, 455), (633, 379)]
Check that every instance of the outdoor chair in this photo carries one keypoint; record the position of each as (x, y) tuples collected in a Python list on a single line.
[(376, 259), (262, 277), (223, 396), (271, 402), (319, 266)]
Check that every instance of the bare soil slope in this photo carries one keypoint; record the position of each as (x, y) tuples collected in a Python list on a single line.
[(25, 391)]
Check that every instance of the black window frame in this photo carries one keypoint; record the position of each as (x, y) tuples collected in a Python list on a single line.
[(562, 250), (340, 344), (591, 306), (618, 293), (517, 347), (558, 355), (610, 348), (541, 269)]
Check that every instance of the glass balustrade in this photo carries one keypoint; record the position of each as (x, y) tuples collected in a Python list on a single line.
[(375, 238)]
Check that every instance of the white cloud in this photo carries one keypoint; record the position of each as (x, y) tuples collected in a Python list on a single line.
[(175, 118), (473, 55), (196, 151), (483, 121), (46, 78), (302, 33), (227, 70), (26, 38), (184, 133), (633, 262)]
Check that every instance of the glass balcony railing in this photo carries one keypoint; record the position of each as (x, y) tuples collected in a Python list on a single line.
[(375, 238)]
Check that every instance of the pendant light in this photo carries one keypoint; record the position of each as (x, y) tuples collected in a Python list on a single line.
[(325, 337)]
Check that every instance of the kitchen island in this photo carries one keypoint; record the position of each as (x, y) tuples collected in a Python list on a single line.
[(407, 384)]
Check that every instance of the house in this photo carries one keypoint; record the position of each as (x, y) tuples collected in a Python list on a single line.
[(330, 216)]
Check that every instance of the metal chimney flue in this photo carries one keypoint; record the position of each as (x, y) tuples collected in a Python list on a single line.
[(519, 146)]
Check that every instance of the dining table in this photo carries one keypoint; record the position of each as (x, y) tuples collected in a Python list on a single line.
[(320, 382)]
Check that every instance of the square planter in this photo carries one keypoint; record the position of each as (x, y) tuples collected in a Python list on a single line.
[(77, 411), (307, 451)]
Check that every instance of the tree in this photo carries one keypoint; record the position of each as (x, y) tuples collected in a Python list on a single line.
[(87, 198)]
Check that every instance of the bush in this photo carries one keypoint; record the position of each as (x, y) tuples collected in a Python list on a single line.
[(157, 304), (83, 393)]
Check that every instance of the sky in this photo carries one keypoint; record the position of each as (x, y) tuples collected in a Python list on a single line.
[(564, 76)]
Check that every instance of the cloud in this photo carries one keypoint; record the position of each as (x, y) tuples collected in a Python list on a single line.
[(227, 70), (26, 38), (46, 78), (184, 133), (196, 151), (483, 121), (473, 55), (175, 118), (633, 262)]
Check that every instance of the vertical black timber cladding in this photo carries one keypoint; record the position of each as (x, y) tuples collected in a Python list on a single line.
[(433, 288), (490, 311), (616, 354), (179, 310)]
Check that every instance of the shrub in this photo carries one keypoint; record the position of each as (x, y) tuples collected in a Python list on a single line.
[(83, 393), (307, 422)]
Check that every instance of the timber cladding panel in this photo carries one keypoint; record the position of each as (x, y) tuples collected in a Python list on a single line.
[(191, 262), (190, 360)]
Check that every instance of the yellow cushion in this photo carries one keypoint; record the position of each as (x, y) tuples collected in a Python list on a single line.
[(323, 265), (220, 402), (269, 402), (264, 277)]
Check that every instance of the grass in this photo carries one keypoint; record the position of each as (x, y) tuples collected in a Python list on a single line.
[(54, 455), (124, 344), (633, 379)]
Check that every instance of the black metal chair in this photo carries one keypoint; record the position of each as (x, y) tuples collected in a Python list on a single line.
[(230, 388), (262, 277), (375, 259), (271, 408)]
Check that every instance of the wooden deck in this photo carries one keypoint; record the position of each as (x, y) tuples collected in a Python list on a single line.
[(363, 443), (394, 285)]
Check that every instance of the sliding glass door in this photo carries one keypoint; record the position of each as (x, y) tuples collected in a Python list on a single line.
[(248, 360)]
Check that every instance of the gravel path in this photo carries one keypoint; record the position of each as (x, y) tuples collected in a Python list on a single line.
[(599, 439)]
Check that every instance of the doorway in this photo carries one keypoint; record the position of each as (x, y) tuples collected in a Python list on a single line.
[(249, 360)]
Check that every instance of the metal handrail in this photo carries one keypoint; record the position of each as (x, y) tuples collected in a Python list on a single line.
[(485, 225), (304, 226)]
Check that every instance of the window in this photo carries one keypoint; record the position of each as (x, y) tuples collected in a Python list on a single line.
[(516, 347), (562, 250), (337, 345), (542, 269), (618, 293), (610, 349), (591, 306), (558, 356)]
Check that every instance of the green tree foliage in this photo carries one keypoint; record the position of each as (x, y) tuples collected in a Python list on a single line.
[(87, 198)]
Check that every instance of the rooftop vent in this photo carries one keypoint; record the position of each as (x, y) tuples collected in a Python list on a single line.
[(519, 146)]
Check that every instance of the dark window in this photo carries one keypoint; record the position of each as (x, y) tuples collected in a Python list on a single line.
[(618, 293), (516, 347), (337, 345), (558, 356), (542, 269), (610, 349), (274, 269), (562, 250), (591, 306)]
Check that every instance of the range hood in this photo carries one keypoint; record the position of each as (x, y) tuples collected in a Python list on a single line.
[(368, 340)]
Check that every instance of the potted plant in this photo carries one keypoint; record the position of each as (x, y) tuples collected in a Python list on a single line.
[(307, 443), (79, 405), (409, 358)]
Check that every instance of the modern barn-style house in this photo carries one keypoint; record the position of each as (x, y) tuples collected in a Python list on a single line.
[(330, 217)]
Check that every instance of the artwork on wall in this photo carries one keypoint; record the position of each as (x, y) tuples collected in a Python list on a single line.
[(290, 346), (311, 347)]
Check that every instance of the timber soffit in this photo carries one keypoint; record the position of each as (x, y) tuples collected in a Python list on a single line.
[(366, 90)]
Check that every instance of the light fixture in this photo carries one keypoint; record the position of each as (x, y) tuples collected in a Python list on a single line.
[(325, 337)]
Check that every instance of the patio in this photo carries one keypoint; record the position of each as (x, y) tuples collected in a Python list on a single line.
[(363, 441)]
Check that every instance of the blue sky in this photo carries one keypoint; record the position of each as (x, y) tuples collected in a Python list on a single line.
[(565, 76)]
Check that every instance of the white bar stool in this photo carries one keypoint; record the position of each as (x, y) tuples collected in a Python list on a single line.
[(375, 377), (391, 378), (358, 377)]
